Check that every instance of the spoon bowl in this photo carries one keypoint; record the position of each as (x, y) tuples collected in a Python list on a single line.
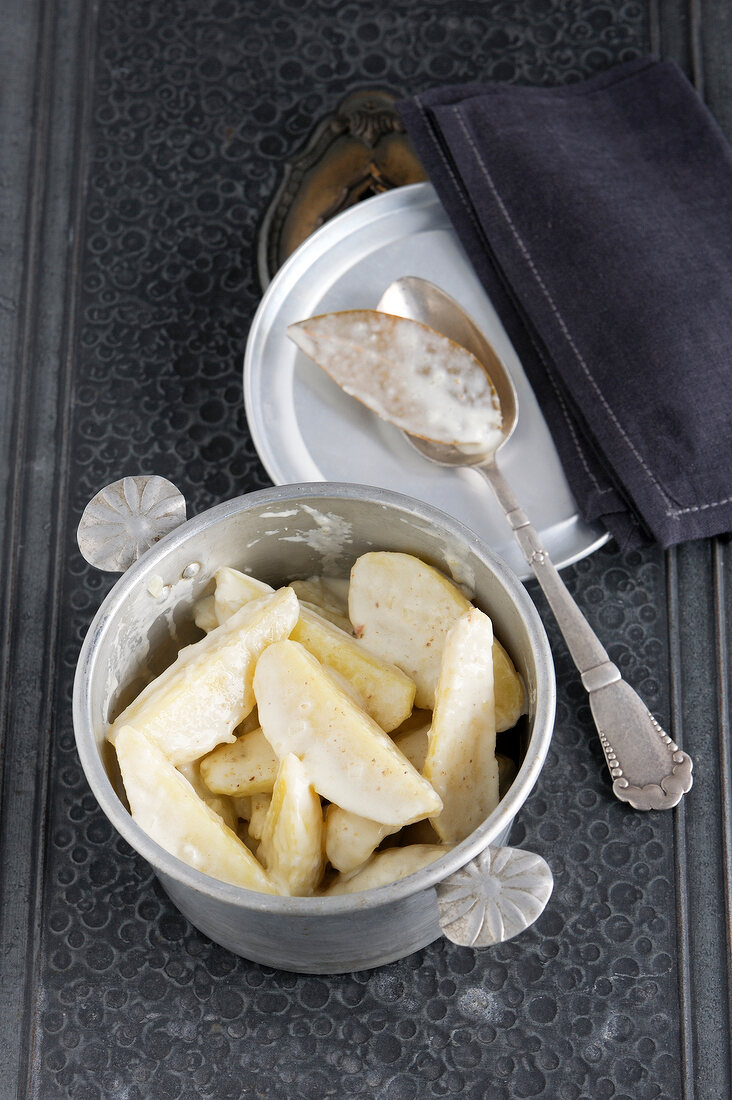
[(420, 300)]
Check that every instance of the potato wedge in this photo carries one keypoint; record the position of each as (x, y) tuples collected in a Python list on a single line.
[(249, 766), (204, 614), (339, 621), (234, 589), (242, 807), (381, 689), (413, 743), (220, 804), (461, 757), (292, 837), (385, 867), (258, 808), (402, 609), (509, 689), (199, 700), (165, 805), (348, 758), (329, 598), (350, 839)]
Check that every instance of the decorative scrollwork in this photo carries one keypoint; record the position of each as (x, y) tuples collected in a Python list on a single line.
[(658, 796), (360, 150), (126, 518), (494, 897)]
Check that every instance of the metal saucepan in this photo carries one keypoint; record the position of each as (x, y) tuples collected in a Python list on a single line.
[(479, 892)]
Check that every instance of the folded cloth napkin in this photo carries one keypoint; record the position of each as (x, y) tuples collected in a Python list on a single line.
[(598, 217)]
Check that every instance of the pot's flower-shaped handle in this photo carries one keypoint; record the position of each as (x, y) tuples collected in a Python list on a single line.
[(126, 518), (494, 897)]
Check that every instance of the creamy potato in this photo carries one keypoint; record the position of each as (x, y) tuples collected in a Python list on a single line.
[(296, 751)]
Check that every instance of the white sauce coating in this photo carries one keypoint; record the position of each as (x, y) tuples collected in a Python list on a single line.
[(155, 586), (407, 374), (330, 534)]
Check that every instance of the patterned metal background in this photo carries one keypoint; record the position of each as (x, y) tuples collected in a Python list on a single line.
[(158, 133)]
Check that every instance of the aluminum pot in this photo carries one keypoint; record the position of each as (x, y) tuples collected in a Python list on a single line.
[(479, 892)]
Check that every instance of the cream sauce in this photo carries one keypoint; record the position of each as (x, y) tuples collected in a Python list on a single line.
[(407, 374)]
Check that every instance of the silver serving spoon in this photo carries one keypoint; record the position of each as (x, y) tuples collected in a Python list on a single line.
[(649, 771)]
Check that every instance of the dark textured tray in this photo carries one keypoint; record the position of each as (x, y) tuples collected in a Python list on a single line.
[(143, 140)]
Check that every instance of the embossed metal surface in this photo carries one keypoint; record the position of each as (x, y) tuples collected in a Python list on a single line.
[(494, 897), (144, 140), (126, 518)]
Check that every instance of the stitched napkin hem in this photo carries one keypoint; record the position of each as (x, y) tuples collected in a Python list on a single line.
[(593, 214)]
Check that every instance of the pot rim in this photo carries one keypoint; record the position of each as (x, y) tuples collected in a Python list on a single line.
[(167, 864)]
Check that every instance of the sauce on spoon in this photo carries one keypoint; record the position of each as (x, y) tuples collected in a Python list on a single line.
[(406, 373)]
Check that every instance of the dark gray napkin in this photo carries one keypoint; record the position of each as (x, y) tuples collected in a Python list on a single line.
[(599, 218)]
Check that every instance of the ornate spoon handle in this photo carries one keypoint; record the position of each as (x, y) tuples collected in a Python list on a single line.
[(649, 771)]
